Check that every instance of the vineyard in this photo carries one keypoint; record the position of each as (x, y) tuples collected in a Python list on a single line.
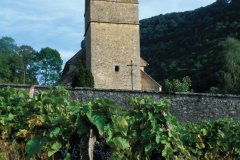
[(52, 126)]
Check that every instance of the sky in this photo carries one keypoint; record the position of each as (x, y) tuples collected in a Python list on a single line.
[(59, 24)]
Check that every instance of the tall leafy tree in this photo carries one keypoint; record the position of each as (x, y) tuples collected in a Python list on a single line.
[(89, 79), (231, 62), (5, 72), (8, 45), (9, 61), (79, 79), (28, 66), (49, 65), (83, 78)]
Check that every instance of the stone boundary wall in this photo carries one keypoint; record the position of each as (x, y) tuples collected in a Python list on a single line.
[(185, 106)]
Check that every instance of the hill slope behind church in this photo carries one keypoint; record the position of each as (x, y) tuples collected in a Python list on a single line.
[(188, 43)]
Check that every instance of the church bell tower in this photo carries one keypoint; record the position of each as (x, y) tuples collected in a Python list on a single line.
[(112, 43)]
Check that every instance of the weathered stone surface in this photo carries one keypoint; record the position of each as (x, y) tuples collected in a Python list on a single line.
[(188, 107), (111, 12), (108, 50), (112, 39)]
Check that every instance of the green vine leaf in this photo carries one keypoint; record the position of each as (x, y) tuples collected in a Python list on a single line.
[(55, 147), (120, 125), (34, 146), (98, 120), (149, 148), (121, 143), (55, 132), (67, 157)]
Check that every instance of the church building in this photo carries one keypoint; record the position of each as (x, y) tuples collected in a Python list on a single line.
[(111, 49)]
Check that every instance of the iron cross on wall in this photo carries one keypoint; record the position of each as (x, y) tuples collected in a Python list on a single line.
[(132, 65)]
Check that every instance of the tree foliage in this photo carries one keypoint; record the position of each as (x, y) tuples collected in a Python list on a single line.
[(83, 78), (89, 79), (49, 65), (176, 85), (8, 45), (24, 65), (9, 61), (231, 66), (53, 126), (187, 44), (28, 66)]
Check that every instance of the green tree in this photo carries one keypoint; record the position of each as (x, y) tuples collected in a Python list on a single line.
[(28, 65), (79, 77), (16, 63), (176, 85), (9, 61), (5, 72), (231, 62), (49, 65), (83, 78), (8, 45), (89, 80), (9, 68)]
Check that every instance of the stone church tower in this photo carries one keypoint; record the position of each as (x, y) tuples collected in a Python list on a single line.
[(111, 49), (113, 43)]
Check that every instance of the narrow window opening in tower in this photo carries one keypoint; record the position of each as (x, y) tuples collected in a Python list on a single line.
[(117, 68)]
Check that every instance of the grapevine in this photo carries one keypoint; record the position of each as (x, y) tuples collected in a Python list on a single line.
[(51, 125)]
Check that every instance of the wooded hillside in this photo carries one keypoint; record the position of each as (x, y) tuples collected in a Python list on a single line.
[(200, 44)]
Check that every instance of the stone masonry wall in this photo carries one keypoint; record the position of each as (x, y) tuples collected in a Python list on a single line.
[(185, 106), (112, 42), (113, 12), (117, 51)]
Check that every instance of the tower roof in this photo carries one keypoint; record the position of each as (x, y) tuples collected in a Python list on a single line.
[(143, 62)]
